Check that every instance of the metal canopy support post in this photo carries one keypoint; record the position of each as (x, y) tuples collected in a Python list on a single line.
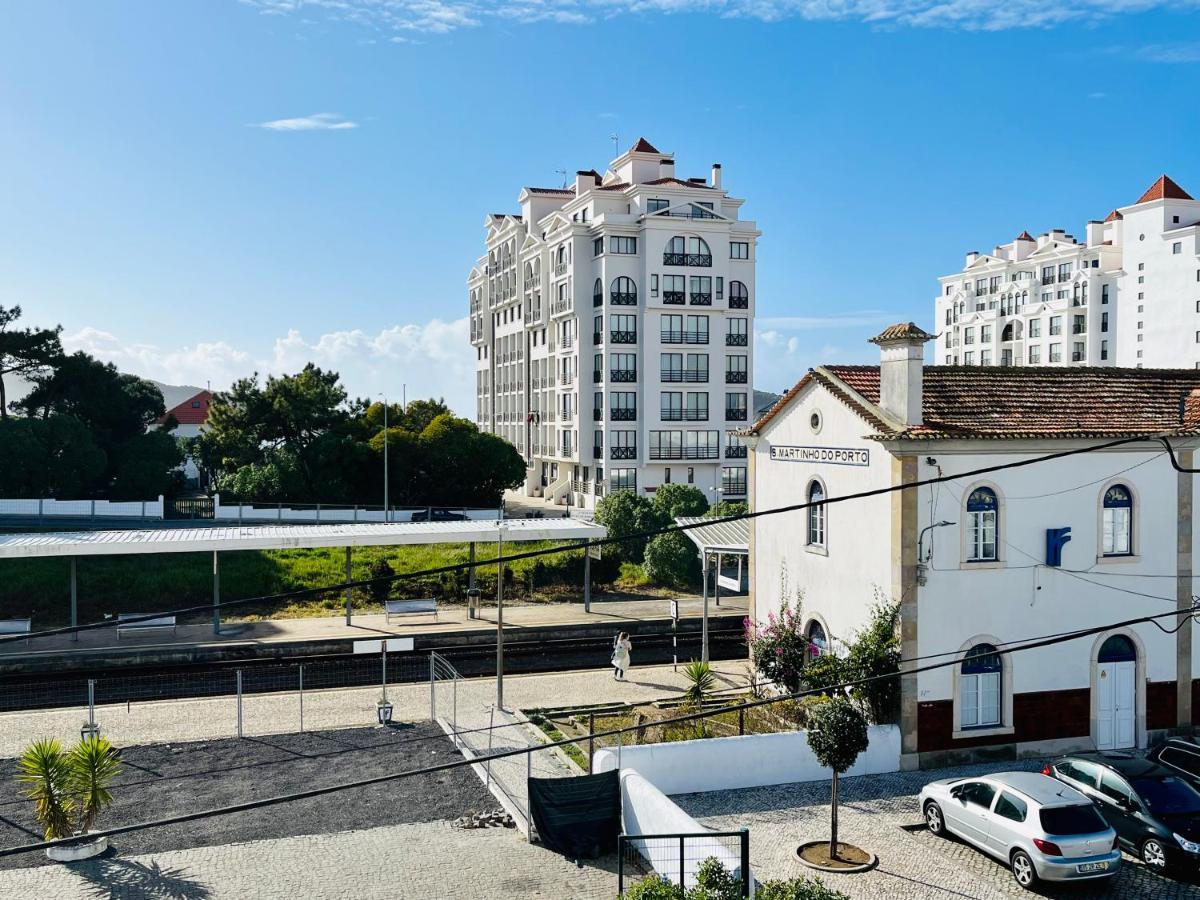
[(587, 578), (349, 557), (74, 597), (499, 617), (471, 571), (216, 592), (704, 623), (717, 582)]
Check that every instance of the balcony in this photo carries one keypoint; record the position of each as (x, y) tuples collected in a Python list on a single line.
[(684, 375), (739, 302), (690, 212), (566, 450), (671, 415), (700, 298), (597, 337), (623, 337), (597, 415), (732, 488), (733, 451), (560, 268), (623, 453), (623, 414), (623, 375), (695, 415), (737, 414), (621, 298), (567, 343), (561, 306), (673, 298), (684, 453), (1079, 329), (735, 377), (671, 337), (736, 340), (533, 314), (687, 259)]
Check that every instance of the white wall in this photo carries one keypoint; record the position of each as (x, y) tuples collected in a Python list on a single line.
[(247, 512), (718, 764), (149, 509)]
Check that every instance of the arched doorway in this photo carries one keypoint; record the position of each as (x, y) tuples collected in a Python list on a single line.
[(818, 642), (1116, 694)]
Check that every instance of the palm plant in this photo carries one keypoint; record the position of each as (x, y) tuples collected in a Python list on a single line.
[(69, 788), (700, 679)]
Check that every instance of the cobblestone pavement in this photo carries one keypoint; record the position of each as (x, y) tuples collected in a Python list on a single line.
[(912, 863), (403, 861)]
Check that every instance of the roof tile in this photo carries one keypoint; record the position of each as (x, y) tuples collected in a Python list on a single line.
[(1164, 189)]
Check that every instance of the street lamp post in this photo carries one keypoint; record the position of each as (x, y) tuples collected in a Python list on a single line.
[(387, 513), (500, 615)]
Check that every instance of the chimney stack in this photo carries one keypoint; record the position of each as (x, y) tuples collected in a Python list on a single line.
[(901, 371), (971, 257), (666, 168), (716, 176)]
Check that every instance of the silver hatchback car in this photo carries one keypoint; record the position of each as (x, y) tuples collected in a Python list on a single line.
[(1041, 828)]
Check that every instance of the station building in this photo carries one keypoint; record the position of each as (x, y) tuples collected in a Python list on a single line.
[(984, 560)]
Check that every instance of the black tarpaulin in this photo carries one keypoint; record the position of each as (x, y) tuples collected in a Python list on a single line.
[(578, 817)]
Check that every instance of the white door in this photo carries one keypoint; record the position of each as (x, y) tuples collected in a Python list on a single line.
[(1116, 702)]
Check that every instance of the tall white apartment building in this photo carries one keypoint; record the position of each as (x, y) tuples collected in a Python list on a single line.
[(1127, 295), (612, 325)]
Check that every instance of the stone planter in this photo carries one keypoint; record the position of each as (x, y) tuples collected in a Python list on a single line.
[(78, 851)]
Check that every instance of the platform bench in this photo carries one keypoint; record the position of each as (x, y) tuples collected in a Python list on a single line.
[(16, 626), (400, 608), (157, 623)]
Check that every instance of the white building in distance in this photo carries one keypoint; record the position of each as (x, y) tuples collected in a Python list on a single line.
[(981, 561), (1127, 295), (612, 324)]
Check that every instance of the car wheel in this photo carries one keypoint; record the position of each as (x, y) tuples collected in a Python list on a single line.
[(1023, 870), (934, 819), (1154, 855)]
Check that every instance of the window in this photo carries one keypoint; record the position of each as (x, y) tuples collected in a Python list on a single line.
[(978, 793), (985, 334), (1104, 349), (985, 357), (671, 329), (1104, 292), (653, 285), (982, 509), (1064, 271), (673, 289), (968, 335), (1104, 321), (671, 406), (1117, 529), (697, 406), (623, 480), (1115, 788), (1035, 328), (692, 251), (597, 246), (654, 204), (969, 358), (979, 688), (623, 292), (1177, 248), (1055, 325), (816, 514), (666, 445), (696, 331), (733, 481), (739, 297), (1010, 807), (1055, 353), (741, 250), (1184, 760), (622, 244)]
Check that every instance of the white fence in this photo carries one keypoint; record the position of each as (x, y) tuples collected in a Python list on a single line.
[(685, 767), (50, 508), (278, 512)]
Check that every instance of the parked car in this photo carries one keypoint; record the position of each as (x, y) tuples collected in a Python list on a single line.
[(437, 514), (1181, 755), (1034, 824), (1154, 810)]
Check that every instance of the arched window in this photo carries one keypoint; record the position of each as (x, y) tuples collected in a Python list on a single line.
[(982, 510), (818, 643), (690, 251), (739, 297), (1117, 530), (598, 293), (1007, 333), (623, 291), (979, 687), (562, 254), (816, 514), (528, 275), (1117, 648)]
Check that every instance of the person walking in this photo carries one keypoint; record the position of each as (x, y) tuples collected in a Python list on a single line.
[(620, 656)]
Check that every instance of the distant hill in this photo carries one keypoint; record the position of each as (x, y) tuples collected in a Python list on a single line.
[(174, 394), (764, 400)]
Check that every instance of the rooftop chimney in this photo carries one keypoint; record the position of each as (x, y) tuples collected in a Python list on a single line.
[(666, 168), (971, 257), (584, 181), (901, 371), (716, 176)]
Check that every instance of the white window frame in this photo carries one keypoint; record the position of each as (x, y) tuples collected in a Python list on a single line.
[(968, 685), (971, 540)]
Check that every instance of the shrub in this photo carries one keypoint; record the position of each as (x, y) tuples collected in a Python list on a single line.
[(727, 508), (626, 513), (798, 889), (69, 788), (652, 887), (875, 653), (715, 882), (380, 589), (670, 560), (673, 500), (700, 679), (779, 647)]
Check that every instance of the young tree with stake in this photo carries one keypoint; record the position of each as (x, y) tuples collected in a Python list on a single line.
[(837, 734)]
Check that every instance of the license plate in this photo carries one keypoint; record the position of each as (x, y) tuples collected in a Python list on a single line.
[(1092, 867)]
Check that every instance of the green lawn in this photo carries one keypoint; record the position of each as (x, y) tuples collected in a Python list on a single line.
[(40, 587)]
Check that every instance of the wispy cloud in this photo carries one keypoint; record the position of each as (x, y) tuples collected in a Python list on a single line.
[(315, 122), (444, 16), (1170, 53)]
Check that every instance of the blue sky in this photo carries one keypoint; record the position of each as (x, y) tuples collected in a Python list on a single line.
[(146, 208)]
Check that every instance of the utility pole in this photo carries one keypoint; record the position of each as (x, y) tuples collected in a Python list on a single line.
[(387, 513), (500, 612)]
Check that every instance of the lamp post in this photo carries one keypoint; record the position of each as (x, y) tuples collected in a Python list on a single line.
[(387, 513), (500, 614)]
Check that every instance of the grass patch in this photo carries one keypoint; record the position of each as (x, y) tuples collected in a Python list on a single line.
[(547, 727)]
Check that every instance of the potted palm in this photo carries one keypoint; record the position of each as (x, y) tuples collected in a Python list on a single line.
[(70, 789)]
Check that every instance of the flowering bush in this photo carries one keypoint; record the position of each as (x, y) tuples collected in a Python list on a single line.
[(779, 646)]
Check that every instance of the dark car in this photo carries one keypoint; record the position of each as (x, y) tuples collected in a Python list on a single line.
[(437, 514), (1182, 756), (1154, 810)]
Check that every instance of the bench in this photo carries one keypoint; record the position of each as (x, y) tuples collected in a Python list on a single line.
[(159, 622), (409, 608), (16, 626)]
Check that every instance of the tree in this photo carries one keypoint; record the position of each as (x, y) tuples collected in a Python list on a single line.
[(670, 560), (675, 500), (147, 466), (780, 648), (837, 734), (24, 351), (69, 788), (626, 513), (875, 654), (52, 457), (727, 508), (418, 415)]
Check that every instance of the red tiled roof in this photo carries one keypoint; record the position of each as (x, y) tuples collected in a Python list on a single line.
[(614, 186), (901, 331), (1023, 236), (1114, 216), (643, 146), (188, 414), (1164, 189), (1003, 403)]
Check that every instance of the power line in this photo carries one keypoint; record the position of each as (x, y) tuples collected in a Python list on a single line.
[(598, 542), (504, 754)]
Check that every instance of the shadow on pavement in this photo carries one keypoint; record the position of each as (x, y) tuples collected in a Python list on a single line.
[(111, 877)]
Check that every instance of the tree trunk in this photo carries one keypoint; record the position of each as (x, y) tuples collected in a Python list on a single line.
[(3, 400), (833, 840)]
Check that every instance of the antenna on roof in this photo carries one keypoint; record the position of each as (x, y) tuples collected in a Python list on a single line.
[(616, 143), (563, 173)]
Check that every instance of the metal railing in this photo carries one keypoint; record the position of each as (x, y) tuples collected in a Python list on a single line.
[(623, 337), (687, 259), (736, 340), (739, 302), (623, 414), (699, 298), (735, 377), (622, 298), (690, 375), (676, 858), (675, 298), (623, 374), (623, 453)]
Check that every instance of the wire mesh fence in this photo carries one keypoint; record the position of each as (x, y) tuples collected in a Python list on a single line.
[(678, 859)]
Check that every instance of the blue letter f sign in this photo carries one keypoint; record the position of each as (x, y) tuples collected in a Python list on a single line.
[(1055, 539)]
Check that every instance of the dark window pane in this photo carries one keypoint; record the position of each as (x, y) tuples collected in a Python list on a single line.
[(1072, 820)]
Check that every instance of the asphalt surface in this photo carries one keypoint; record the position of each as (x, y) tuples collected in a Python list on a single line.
[(164, 780)]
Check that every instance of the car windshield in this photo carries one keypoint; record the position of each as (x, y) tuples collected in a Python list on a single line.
[(1072, 820), (1167, 796)]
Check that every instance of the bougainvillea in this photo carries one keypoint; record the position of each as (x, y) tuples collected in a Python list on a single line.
[(779, 646)]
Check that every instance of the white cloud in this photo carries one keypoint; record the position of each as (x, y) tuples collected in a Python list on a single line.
[(443, 16), (315, 122), (430, 359), (1170, 53)]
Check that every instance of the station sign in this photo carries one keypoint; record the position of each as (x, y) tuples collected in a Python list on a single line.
[(833, 456)]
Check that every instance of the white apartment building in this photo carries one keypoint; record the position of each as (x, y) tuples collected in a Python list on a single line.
[(612, 325), (981, 561), (1127, 295)]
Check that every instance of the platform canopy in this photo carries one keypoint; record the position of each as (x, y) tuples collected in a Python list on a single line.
[(290, 537), (726, 538)]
